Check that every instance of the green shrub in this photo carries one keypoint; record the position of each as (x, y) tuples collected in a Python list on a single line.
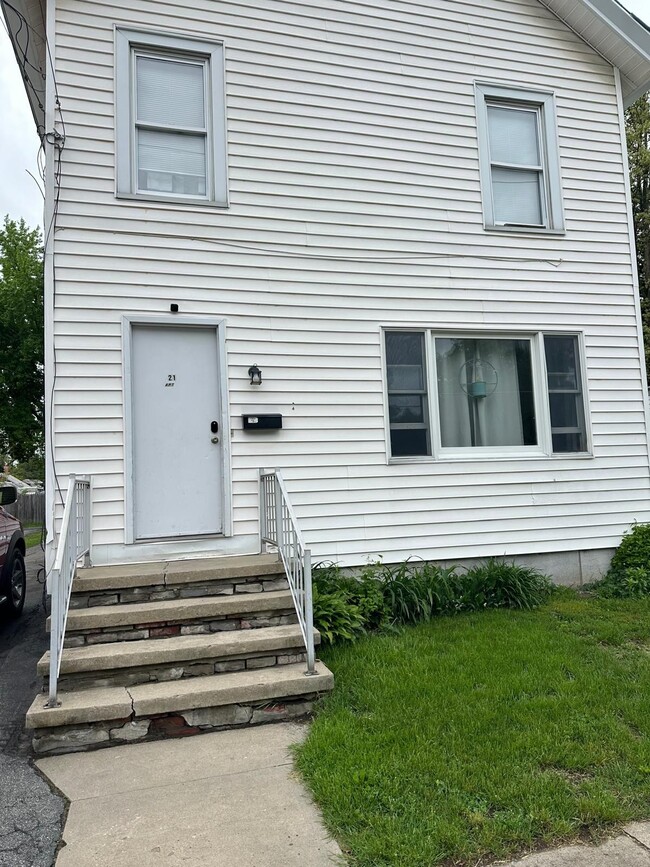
[(406, 594), (631, 582), (501, 584), (629, 571), (369, 597), (634, 550), (414, 593), (346, 606), (335, 617)]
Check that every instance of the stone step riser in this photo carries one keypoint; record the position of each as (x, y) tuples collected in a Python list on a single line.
[(87, 736), (168, 591), (180, 670), (170, 627)]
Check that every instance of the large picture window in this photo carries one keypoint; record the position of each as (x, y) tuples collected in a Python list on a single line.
[(488, 394), (520, 169), (170, 119), (485, 392)]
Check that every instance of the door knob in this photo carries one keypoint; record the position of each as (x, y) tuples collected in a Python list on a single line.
[(214, 426)]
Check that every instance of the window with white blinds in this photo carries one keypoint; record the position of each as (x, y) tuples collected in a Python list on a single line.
[(518, 153), (170, 119)]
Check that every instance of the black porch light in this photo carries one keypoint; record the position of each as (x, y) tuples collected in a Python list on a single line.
[(255, 374)]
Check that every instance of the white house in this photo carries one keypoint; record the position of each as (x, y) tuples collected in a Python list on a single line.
[(380, 205), (409, 218)]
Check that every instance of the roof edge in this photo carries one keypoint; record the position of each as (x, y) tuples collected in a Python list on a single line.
[(34, 49)]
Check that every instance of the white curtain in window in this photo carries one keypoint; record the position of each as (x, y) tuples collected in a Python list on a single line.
[(170, 92), (466, 420)]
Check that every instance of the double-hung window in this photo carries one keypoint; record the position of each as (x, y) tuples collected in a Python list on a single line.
[(520, 170), (170, 119), (491, 394)]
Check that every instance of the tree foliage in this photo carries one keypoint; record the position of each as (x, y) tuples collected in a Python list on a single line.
[(637, 123), (637, 126), (21, 341)]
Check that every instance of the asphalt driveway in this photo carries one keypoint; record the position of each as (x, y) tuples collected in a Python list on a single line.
[(31, 814)]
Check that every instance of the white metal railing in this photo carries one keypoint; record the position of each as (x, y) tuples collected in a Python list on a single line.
[(278, 526), (74, 542)]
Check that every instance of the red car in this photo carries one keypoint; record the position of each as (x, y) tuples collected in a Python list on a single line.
[(13, 577)]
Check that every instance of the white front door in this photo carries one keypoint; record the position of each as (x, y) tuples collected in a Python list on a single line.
[(176, 431)]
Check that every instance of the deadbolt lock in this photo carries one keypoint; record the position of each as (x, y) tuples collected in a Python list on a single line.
[(215, 439)]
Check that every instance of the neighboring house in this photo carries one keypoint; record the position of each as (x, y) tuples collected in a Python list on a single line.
[(412, 217)]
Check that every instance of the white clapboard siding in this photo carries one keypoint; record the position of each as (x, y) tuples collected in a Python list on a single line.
[(355, 203)]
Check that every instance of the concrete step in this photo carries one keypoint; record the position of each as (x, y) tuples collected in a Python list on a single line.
[(104, 624), (127, 663), (103, 717), (177, 579)]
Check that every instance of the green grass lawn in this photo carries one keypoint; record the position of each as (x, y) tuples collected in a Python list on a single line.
[(480, 736), (32, 535)]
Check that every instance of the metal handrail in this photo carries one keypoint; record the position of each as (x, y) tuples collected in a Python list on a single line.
[(279, 527), (74, 543)]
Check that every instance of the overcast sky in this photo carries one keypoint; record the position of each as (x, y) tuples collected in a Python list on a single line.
[(19, 194)]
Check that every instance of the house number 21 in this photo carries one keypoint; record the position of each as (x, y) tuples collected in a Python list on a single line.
[(171, 380)]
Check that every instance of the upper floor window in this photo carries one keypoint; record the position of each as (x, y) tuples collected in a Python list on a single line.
[(520, 169), (170, 119)]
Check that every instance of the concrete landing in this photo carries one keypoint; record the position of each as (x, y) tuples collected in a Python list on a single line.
[(228, 799)]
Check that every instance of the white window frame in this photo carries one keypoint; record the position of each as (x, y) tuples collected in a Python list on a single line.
[(582, 361), (544, 447), (543, 104), (128, 45)]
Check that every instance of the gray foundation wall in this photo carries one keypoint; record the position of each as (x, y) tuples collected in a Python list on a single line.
[(568, 568)]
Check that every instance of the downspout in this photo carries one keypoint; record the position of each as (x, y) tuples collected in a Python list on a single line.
[(48, 237)]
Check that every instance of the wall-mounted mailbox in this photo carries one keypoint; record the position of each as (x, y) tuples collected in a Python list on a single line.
[(262, 421)]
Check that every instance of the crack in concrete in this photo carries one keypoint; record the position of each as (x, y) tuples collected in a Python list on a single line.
[(636, 840), (165, 567), (132, 700)]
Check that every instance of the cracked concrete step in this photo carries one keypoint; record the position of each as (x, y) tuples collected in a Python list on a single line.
[(103, 717), (118, 702), (175, 611), (101, 578), (155, 655)]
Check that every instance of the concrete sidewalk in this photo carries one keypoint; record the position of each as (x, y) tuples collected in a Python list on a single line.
[(629, 849), (228, 799)]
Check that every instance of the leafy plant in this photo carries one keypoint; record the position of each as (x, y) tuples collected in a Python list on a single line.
[(407, 595), (346, 606), (629, 571), (335, 618), (501, 584), (634, 549)]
